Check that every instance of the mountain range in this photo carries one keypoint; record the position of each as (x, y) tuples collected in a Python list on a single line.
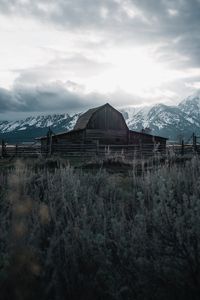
[(173, 122)]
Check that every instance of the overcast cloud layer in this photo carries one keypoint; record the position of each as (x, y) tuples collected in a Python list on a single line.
[(72, 54)]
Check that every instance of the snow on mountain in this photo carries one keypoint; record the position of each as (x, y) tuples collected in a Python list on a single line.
[(140, 116), (54, 121), (191, 107), (129, 111), (32, 127), (168, 121)]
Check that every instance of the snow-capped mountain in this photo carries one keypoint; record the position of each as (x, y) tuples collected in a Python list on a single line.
[(32, 127), (169, 121), (130, 111), (191, 107), (63, 120), (174, 122)]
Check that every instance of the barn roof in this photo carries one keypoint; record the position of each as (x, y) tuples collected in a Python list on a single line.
[(146, 134), (59, 134), (85, 118)]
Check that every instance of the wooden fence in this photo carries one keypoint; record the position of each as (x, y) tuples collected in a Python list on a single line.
[(128, 151), (183, 149), (78, 150), (91, 150), (21, 151)]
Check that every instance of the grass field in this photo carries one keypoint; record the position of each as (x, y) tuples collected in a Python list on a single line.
[(100, 229)]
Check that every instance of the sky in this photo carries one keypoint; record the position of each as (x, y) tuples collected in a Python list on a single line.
[(70, 55)]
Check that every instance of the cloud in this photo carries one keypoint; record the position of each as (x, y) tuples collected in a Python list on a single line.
[(90, 14), (46, 98), (82, 32), (6, 101), (175, 23), (62, 67), (57, 98), (121, 21)]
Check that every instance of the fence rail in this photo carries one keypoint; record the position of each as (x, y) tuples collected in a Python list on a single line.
[(89, 150)]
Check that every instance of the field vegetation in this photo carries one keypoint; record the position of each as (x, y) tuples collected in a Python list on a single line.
[(76, 233)]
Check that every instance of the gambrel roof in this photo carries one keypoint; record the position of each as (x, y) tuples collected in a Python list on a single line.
[(85, 118)]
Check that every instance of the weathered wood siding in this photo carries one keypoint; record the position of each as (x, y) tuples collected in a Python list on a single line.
[(65, 138), (146, 140), (107, 118), (107, 137), (70, 137), (136, 138), (107, 126)]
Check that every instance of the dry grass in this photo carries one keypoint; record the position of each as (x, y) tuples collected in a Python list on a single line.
[(70, 234)]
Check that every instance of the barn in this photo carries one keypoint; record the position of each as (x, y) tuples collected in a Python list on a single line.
[(103, 125)]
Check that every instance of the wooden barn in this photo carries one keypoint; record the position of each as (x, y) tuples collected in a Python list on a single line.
[(103, 125)]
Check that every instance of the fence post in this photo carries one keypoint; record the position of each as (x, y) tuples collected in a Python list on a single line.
[(141, 150), (49, 142), (50, 145), (194, 140), (3, 148), (97, 147), (16, 150), (182, 147)]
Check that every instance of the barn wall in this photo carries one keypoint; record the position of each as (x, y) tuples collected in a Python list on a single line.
[(138, 138), (74, 137), (147, 141), (107, 118), (109, 136)]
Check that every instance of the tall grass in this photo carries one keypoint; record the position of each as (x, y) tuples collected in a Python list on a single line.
[(69, 234)]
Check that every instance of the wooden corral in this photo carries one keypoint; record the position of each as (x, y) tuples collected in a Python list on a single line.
[(104, 125)]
